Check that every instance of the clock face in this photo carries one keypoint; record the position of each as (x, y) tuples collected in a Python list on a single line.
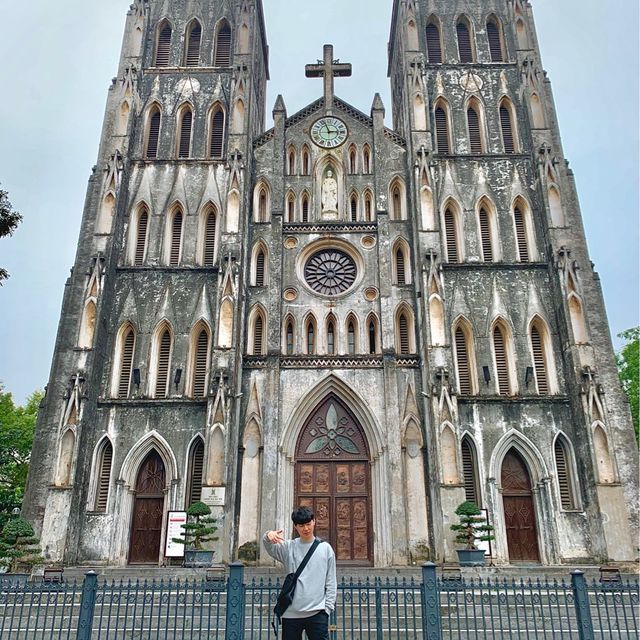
[(329, 132)]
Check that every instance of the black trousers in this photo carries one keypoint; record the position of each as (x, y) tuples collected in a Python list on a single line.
[(317, 627)]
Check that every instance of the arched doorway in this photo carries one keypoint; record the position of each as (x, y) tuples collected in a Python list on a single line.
[(148, 511), (332, 476), (519, 511)]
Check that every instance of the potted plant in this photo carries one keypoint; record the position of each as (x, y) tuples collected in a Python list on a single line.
[(473, 528), (19, 549), (198, 530)]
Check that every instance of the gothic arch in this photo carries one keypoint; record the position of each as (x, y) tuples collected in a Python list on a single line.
[(66, 457), (257, 331), (289, 335), (419, 113), (443, 127), (122, 363), (107, 213), (208, 234), (526, 250), (244, 38), (606, 472), (466, 39), (566, 473), (153, 127), (217, 119), (238, 117), (162, 53), (198, 363), (436, 320), (194, 470), (374, 340), (225, 326), (452, 224), (174, 234), (537, 112), (405, 336), (542, 355), (401, 263), (262, 201), (352, 337), (449, 454), (193, 42), (504, 360), (101, 475), (184, 130), (310, 335), (465, 356), (476, 127), (161, 358), (495, 36), (88, 325), (139, 234), (137, 454), (508, 125), (305, 160), (412, 35), (487, 221), (555, 206), (223, 44), (397, 199), (514, 439), (260, 265)]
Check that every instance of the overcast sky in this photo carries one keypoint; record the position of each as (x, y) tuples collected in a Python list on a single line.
[(58, 59)]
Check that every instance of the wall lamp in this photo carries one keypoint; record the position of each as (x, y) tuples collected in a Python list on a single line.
[(487, 374), (177, 378), (528, 375), (136, 378)]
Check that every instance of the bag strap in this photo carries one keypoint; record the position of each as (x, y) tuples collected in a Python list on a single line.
[(306, 559)]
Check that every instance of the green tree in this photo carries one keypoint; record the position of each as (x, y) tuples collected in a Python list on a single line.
[(17, 426), (9, 220), (628, 370)]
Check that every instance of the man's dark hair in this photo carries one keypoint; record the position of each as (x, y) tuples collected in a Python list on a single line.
[(302, 515)]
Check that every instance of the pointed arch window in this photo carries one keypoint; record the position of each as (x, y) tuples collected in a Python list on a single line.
[(217, 132), (259, 341), (372, 335), (565, 476), (196, 472), (434, 45), (521, 234), (291, 208), (305, 208), (397, 198), (465, 47), (368, 207), (353, 207), (451, 236), (165, 345), (306, 163), (486, 235), (506, 126), (542, 358), (184, 127), (366, 159), (262, 204), (128, 341), (153, 133), (475, 136), (495, 40), (194, 37), (222, 56), (502, 360), (353, 167), (291, 162), (311, 336), (465, 361), (400, 267), (200, 362), (176, 238), (211, 220), (260, 266), (104, 461), (404, 337), (141, 237), (331, 336), (163, 46), (442, 129), (290, 337), (351, 337), (470, 472)]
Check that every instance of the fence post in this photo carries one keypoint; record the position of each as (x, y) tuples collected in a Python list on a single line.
[(87, 605), (235, 602), (581, 602), (378, 592), (431, 615)]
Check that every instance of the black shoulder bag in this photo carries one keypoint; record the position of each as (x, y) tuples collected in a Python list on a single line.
[(285, 597)]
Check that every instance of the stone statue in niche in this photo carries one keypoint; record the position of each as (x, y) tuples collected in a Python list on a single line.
[(329, 193)]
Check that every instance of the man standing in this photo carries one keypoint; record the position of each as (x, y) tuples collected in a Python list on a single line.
[(315, 595)]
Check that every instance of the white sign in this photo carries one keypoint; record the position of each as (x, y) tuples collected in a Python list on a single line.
[(174, 530), (213, 496)]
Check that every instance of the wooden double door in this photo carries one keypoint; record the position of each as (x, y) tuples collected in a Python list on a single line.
[(519, 511), (148, 511), (333, 477)]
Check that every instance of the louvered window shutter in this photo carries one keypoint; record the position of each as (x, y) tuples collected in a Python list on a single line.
[(400, 268), (305, 210), (470, 473), (502, 365), (495, 46), (164, 356), (200, 364), (451, 237), (210, 240), (464, 42), (403, 330), (442, 131), (193, 48), (462, 357), (104, 477), (126, 364), (184, 150), (164, 47), (141, 239), (562, 468), (507, 130), (539, 362), (485, 236), (372, 337), (217, 134), (289, 338), (434, 50), (331, 339), (354, 209), (258, 336), (154, 135), (521, 235), (223, 47), (260, 265), (176, 239), (196, 469), (311, 339), (351, 339), (475, 139)]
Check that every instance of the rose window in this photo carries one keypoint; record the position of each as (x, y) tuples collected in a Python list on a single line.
[(330, 272)]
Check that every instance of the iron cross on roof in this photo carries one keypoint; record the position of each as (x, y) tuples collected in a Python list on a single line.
[(328, 69)]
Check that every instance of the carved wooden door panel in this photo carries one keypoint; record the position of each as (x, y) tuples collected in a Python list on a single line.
[(148, 511), (333, 478), (519, 512)]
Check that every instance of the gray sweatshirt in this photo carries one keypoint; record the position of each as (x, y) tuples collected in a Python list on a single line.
[(316, 587)]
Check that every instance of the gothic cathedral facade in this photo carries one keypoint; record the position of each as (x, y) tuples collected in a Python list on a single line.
[(378, 322)]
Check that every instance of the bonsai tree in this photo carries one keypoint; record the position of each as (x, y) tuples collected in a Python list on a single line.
[(473, 526), (18, 545), (199, 528)]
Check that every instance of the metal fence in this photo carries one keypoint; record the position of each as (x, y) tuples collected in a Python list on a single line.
[(433, 608)]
